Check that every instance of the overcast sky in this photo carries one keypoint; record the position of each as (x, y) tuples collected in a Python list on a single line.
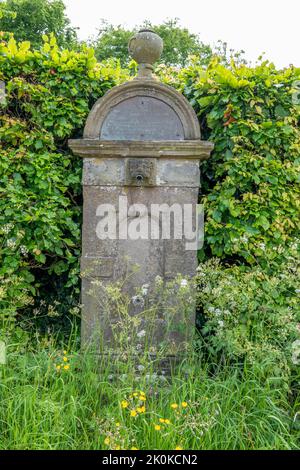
[(257, 26)]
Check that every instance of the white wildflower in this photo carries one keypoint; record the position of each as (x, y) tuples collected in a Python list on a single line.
[(11, 243), (23, 250), (296, 359), (296, 345), (184, 283), (145, 289), (7, 228), (201, 274), (296, 352), (141, 334)]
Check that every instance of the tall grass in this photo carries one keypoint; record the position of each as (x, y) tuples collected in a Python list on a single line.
[(43, 406)]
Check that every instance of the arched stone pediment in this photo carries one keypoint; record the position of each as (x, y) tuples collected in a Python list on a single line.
[(142, 110)]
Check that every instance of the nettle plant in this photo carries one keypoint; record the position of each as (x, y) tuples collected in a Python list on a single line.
[(48, 95)]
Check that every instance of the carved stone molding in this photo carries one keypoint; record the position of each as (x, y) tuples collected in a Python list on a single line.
[(167, 95), (192, 149)]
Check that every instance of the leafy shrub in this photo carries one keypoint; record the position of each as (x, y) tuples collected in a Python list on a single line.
[(252, 315), (48, 96), (251, 183), (249, 293)]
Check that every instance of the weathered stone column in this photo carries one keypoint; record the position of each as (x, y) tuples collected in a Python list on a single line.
[(141, 146)]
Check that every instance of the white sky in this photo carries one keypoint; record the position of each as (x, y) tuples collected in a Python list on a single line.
[(270, 26)]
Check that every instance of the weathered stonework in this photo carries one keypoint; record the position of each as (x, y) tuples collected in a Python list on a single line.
[(125, 104), (141, 141)]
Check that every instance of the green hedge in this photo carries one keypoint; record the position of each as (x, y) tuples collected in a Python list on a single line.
[(250, 186), (251, 183), (48, 96)]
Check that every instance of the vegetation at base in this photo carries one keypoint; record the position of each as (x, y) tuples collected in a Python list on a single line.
[(52, 398)]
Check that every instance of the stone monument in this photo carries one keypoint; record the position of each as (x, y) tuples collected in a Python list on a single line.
[(141, 148)]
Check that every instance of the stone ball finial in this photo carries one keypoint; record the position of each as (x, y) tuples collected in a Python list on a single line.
[(145, 48)]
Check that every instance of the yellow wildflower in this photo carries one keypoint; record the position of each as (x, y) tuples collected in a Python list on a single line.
[(135, 394), (167, 421), (124, 404), (178, 448), (134, 448), (142, 398), (65, 352), (107, 441), (118, 424), (67, 367), (157, 427), (133, 413), (174, 406), (161, 420), (58, 367), (118, 448), (184, 404), (65, 359)]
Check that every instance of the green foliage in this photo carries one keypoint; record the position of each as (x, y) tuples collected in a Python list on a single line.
[(249, 297), (179, 43), (48, 96), (251, 183), (251, 316), (28, 20), (72, 409), (112, 41)]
